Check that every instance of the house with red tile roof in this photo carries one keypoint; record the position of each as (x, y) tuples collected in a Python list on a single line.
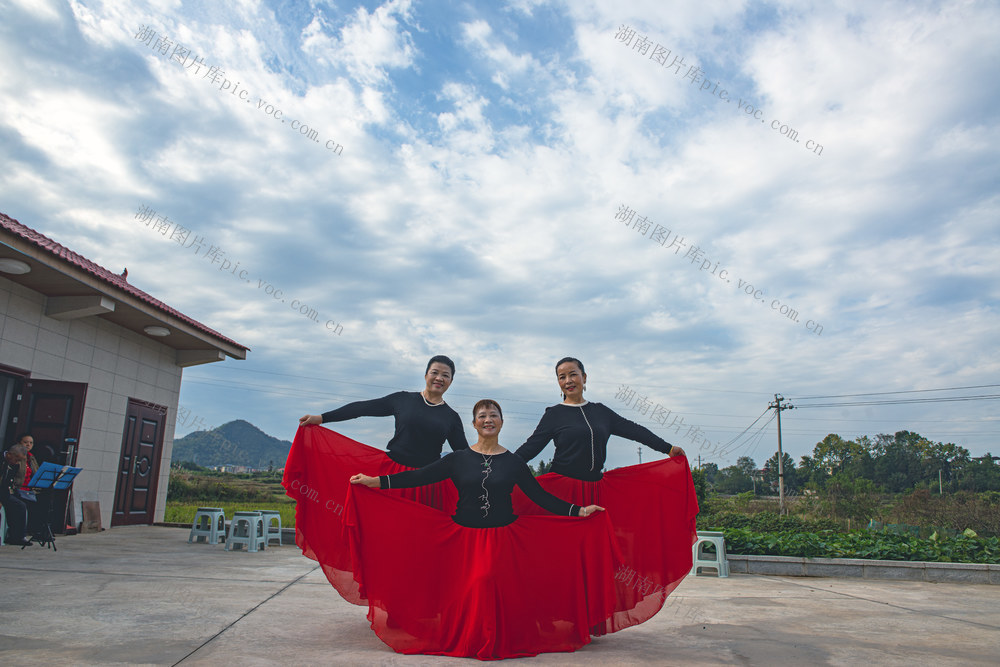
[(91, 366)]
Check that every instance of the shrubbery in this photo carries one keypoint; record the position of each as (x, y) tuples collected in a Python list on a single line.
[(765, 522), (842, 509), (200, 487), (956, 511), (862, 544)]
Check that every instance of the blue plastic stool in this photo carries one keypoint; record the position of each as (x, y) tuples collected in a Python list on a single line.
[(270, 531), (246, 528), (718, 562), (209, 524)]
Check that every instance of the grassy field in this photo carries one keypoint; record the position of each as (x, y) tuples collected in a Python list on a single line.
[(183, 512), (190, 490)]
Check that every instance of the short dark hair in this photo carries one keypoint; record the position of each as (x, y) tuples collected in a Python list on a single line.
[(22, 436), (485, 403), (574, 360), (441, 359)]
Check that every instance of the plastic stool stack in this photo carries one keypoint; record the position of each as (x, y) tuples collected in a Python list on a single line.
[(246, 528), (270, 531), (209, 524), (716, 561)]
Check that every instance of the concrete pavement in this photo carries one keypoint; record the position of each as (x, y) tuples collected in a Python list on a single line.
[(143, 595)]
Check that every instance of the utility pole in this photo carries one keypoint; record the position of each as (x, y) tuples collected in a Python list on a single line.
[(781, 454), (639, 449)]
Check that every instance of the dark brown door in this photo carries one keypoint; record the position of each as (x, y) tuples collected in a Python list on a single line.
[(52, 412), (139, 468)]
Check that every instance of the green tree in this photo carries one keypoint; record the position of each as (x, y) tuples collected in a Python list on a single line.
[(771, 474), (898, 464), (700, 486), (849, 497), (711, 470), (746, 465), (947, 459), (835, 455), (980, 474), (736, 478), (809, 472), (541, 468)]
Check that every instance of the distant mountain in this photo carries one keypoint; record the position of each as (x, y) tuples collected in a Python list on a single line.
[(234, 443)]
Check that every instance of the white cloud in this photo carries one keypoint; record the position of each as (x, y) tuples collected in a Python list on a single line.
[(479, 38), (368, 45)]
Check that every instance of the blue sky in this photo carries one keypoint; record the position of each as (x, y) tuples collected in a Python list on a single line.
[(513, 182)]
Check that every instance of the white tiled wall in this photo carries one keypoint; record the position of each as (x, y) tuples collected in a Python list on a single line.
[(116, 364)]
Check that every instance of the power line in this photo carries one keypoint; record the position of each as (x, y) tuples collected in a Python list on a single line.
[(889, 393), (815, 431), (737, 437), (944, 399), (753, 441)]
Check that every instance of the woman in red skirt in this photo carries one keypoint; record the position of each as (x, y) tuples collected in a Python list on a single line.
[(318, 467), (652, 506), (482, 583)]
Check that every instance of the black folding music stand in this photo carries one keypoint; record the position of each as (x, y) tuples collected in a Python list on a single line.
[(51, 477)]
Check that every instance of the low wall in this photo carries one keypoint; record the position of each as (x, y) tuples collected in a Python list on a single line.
[(971, 573)]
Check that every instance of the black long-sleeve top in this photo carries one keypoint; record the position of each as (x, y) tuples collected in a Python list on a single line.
[(484, 486), (581, 437), (421, 429)]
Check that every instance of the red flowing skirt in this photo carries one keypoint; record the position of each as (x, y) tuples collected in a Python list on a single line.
[(317, 473), (540, 584), (652, 507)]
